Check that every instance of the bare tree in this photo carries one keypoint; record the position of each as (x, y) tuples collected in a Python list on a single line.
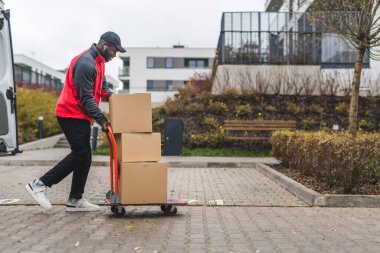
[(333, 83), (308, 85), (295, 81), (223, 80), (346, 84), (262, 86), (357, 22), (374, 86), (276, 82), (322, 87), (286, 88), (249, 83)]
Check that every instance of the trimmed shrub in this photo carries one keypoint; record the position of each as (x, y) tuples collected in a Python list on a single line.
[(294, 109), (32, 103), (310, 124), (194, 109), (316, 108), (172, 107), (270, 109), (217, 108), (229, 93), (243, 111), (211, 123), (210, 139), (342, 108), (336, 158)]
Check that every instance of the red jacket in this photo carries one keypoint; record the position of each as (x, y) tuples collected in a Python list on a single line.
[(84, 87)]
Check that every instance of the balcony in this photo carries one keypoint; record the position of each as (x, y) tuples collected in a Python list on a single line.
[(124, 71)]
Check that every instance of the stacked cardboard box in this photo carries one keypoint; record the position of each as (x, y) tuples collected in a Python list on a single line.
[(142, 174)]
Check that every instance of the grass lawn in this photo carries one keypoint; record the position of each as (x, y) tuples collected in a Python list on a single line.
[(206, 152)]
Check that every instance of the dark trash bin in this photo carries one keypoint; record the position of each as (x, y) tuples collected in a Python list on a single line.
[(173, 140)]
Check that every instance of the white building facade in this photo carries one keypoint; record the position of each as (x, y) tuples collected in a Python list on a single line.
[(31, 72), (162, 71)]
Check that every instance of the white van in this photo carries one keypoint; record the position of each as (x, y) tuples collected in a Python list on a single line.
[(8, 110)]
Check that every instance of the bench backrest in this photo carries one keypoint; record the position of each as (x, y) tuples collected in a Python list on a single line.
[(263, 125)]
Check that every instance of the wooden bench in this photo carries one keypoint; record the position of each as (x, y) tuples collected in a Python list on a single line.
[(255, 130)]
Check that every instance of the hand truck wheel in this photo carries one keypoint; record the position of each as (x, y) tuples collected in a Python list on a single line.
[(170, 210), (119, 211)]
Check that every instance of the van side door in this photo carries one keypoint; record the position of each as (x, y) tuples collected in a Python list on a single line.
[(8, 110)]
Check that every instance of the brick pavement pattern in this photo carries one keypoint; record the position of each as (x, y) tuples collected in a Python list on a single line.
[(194, 229), (208, 186)]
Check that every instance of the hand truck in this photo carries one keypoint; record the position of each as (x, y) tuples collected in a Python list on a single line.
[(112, 197)]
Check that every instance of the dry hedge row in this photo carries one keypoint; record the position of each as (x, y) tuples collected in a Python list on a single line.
[(335, 158)]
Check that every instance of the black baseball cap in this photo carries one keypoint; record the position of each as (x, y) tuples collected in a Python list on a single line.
[(113, 39)]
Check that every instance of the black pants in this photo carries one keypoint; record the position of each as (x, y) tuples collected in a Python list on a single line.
[(77, 132)]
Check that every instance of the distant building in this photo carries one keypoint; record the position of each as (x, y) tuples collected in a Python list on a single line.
[(32, 73), (114, 84), (162, 71), (283, 45)]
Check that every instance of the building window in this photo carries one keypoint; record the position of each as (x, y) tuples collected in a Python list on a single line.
[(336, 52), (149, 85), (169, 85), (164, 85), (126, 85), (177, 62), (150, 62), (192, 63), (169, 62), (124, 70), (196, 63)]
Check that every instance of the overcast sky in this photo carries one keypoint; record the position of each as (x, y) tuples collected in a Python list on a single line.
[(53, 32)]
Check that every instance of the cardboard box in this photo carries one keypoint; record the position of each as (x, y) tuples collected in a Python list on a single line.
[(138, 147), (143, 183), (131, 113)]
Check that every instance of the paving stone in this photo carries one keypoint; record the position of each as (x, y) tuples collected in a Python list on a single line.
[(263, 217), (205, 186), (151, 233)]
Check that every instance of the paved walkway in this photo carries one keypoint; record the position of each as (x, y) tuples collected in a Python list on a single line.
[(193, 229), (233, 210), (203, 186)]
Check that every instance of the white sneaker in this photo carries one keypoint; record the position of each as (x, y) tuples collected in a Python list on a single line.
[(81, 205), (37, 190)]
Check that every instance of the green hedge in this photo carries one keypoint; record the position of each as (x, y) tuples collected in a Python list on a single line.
[(335, 158), (32, 103)]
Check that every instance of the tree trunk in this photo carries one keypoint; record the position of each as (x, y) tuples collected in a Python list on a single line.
[(354, 105)]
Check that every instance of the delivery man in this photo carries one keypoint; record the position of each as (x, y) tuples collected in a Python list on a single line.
[(76, 108)]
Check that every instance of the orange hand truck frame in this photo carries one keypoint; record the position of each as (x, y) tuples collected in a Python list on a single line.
[(113, 197)]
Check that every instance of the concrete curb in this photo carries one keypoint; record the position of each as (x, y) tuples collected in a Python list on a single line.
[(190, 164), (44, 143), (314, 198), (351, 200), (307, 195)]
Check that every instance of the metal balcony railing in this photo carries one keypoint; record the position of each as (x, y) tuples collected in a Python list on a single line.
[(25, 77), (124, 71)]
